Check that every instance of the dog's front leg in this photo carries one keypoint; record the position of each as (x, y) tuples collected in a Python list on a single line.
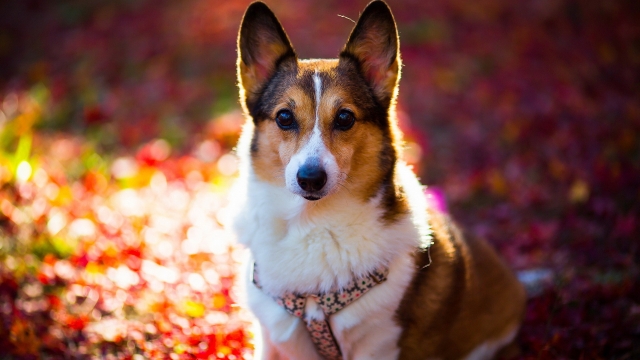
[(284, 336), (265, 349)]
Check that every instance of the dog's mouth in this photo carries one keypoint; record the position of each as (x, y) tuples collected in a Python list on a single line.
[(312, 197)]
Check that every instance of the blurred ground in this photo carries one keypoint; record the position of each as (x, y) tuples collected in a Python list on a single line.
[(117, 118)]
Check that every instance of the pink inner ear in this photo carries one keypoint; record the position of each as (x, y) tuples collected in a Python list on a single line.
[(374, 54), (260, 70), (375, 70), (268, 54), (374, 77)]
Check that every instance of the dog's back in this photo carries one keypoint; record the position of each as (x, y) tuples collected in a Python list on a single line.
[(462, 302)]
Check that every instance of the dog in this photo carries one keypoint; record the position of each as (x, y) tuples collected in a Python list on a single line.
[(348, 260)]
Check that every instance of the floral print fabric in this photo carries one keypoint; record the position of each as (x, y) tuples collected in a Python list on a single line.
[(330, 303)]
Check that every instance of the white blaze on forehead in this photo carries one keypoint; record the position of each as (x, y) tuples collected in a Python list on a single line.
[(315, 141), (314, 147), (317, 86)]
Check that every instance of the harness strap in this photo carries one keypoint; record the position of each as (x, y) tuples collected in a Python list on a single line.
[(330, 303)]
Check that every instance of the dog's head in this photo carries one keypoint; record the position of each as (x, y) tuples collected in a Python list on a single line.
[(321, 126)]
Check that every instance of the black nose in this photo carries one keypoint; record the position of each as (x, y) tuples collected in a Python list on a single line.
[(311, 176)]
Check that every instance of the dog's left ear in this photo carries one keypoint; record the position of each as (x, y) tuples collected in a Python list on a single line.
[(374, 45)]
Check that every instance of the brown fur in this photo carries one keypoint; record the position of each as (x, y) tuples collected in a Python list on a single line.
[(462, 296)]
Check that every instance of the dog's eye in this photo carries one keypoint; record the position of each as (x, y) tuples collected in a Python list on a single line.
[(285, 119), (344, 120)]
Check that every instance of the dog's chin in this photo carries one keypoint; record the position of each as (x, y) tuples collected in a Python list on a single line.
[(311, 195)]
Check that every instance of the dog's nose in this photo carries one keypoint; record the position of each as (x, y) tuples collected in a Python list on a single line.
[(311, 176)]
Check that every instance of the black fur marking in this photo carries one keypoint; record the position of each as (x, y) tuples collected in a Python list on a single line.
[(306, 83), (254, 141), (261, 104), (394, 202), (285, 77)]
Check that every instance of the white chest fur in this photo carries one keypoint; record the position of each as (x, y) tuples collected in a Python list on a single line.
[(314, 247)]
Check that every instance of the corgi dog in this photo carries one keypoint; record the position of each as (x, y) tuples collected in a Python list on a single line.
[(348, 260)]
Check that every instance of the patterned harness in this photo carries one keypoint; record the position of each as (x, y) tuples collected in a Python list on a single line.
[(330, 303)]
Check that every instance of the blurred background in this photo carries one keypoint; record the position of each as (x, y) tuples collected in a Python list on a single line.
[(117, 119)]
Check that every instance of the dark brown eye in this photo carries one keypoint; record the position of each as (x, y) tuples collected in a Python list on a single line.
[(285, 119), (344, 120)]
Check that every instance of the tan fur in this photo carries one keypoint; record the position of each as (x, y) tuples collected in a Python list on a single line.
[(277, 146), (358, 152), (269, 166)]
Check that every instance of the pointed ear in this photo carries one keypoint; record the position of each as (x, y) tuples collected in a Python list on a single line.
[(262, 46), (374, 44)]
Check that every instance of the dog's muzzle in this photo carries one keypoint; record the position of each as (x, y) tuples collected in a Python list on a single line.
[(312, 178)]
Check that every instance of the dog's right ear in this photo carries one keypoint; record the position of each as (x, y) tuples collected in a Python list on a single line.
[(262, 46), (374, 44)]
